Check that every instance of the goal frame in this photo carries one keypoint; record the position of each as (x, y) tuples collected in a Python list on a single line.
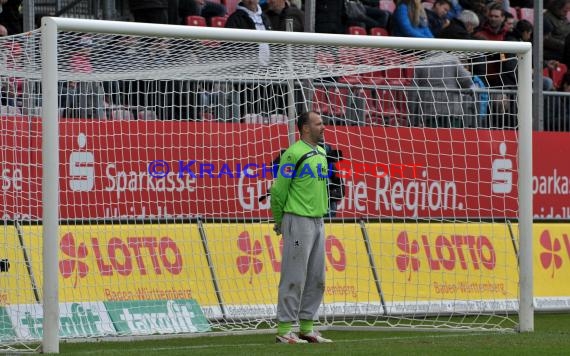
[(50, 146)]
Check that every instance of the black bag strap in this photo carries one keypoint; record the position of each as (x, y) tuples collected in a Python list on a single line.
[(302, 159)]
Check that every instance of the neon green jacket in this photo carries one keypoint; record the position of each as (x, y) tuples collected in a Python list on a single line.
[(305, 194)]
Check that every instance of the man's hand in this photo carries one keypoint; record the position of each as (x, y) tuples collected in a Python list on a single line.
[(277, 229)]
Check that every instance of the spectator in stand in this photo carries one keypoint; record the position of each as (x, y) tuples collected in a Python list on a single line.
[(493, 28), (437, 16), (278, 11), (368, 16), (521, 33), (206, 9), (149, 11), (509, 23), (477, 6), (455, 9), (83, 99), (410, 20), (462, 27), (11, 16), (249, 16), (380, 17), (330, 16), (557, 31), (439, 96), (3, 31), (11, 89), (557, 117)]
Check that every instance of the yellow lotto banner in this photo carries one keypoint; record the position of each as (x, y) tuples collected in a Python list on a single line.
[(551, 253), (420, 262), (430, 262), (127, 262), (247, 260), (16, 283)]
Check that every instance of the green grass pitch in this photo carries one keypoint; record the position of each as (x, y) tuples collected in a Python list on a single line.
[(551, 337)]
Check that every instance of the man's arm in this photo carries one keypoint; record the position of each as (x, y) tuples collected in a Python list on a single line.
[(280, 188)]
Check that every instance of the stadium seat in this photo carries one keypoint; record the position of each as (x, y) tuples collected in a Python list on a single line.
[(379, 31), (231, 5), (320, 100), (219, 21), (526, 14), (395, 74), (387, 5), (329, 101), (352, 57), (556, 74), (357, 30), (384, 107), (195, 21), (372, 115)]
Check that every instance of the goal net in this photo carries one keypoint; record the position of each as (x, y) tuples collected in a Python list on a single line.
[(136, 161)]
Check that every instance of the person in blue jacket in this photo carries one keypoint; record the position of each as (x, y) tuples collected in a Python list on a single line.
[(410, 20)]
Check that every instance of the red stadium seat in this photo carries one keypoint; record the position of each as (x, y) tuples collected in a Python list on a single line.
[(195, 21), (329, 101), (219, 21), (387, 5), (379, 31), (385, 107), (556, 74), (357, 30)]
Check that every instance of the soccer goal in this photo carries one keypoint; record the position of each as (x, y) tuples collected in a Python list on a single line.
[(137, 160)]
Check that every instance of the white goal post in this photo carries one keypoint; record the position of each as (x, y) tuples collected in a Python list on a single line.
[(447, 245)]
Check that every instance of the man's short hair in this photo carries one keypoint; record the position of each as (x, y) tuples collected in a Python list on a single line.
[(556, 5), (303, 120), (496, 6), (468, 17), (441, 2)]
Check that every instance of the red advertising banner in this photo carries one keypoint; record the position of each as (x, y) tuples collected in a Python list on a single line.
[(221, 170)]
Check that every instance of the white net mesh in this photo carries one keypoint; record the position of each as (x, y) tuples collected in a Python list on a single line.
[(164, 145)]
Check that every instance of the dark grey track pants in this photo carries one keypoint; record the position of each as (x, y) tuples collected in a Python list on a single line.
[(302, 282)]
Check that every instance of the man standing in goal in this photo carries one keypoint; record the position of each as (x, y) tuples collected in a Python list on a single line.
[(299, 200)]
